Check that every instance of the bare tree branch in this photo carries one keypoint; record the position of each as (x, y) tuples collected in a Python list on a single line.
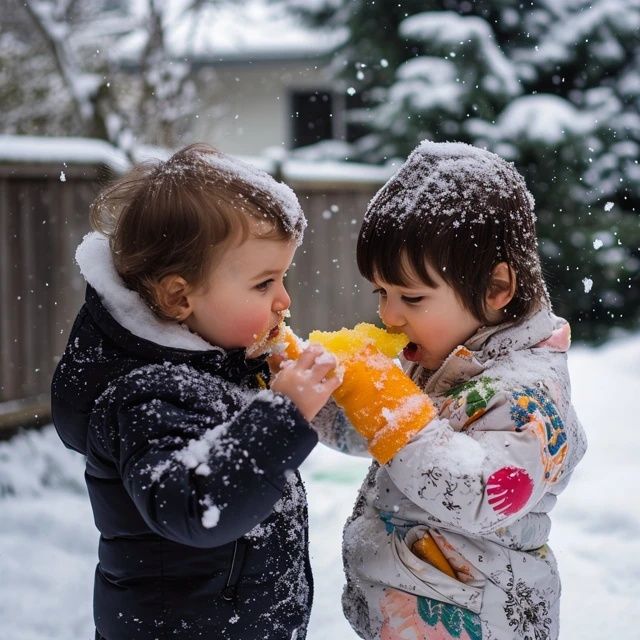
[(61, 53)]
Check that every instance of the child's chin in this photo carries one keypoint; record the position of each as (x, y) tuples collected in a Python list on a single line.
[(427, 362), (264, 344), (431, 364)]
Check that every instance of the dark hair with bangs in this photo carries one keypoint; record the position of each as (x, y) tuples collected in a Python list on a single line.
[(178, 216), (461, 210)]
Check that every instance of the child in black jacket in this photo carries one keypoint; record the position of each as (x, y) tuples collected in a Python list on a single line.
[(191, 461)]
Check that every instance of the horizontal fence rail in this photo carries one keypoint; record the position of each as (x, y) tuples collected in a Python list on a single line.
[(44, 215)]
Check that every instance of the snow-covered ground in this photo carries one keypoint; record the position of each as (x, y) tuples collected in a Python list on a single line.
[(48, 541)]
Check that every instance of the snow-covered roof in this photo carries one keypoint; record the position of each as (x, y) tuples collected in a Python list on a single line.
[(254, 29), (29, 149)]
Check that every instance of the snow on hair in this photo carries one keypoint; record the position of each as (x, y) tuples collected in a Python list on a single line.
[(461, 210), (177, 216)]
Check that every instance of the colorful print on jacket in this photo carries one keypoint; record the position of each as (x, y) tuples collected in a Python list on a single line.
[(481, 481)]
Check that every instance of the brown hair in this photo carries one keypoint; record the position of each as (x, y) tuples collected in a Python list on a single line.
[(461, 210), (178, 216)]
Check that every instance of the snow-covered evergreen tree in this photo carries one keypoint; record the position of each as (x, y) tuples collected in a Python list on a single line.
[(552, 85)]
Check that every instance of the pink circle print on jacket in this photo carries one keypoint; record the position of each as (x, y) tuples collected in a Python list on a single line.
[(509, 489)]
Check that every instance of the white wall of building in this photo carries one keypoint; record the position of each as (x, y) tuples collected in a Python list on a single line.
[(248, 107)]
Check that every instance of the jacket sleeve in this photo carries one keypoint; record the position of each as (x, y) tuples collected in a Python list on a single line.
[(334, 430), (199, 479), (488, 460)]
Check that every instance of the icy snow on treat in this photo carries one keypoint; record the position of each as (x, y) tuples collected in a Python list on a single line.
[(286, 344), (378, 398)]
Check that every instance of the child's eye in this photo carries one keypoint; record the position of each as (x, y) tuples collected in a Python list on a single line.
[(263, 286), (410, 300)]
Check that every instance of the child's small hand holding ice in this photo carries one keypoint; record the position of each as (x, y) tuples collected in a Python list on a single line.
[(307, 380)]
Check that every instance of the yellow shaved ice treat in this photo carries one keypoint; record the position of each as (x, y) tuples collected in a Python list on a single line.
[(379, 399), (349, 342)]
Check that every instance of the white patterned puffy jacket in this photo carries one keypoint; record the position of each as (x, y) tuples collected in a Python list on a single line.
[(481, 480)]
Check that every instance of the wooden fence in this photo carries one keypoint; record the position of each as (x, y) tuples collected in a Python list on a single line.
[(42, 220)]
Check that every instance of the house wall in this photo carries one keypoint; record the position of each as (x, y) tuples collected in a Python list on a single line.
[(250, 104)]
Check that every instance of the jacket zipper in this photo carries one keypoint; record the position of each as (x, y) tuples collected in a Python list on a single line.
[(237, 564), (229, 590)]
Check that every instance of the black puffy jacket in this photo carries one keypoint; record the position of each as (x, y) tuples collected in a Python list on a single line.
[(192, 476)]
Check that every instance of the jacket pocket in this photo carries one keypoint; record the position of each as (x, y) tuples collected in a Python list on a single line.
[(430, 580), (385, 558)]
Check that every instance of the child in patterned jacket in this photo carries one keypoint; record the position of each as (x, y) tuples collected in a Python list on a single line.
[(449, 538)]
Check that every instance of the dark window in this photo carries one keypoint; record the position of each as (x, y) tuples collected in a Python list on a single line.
[(311, 117)]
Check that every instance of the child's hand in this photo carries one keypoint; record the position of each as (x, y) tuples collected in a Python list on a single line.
[(306, 381)]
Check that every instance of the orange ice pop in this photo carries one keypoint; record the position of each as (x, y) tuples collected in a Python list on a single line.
[(379, 399)]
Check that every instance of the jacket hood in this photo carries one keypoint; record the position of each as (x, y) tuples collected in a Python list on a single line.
[(541, 328), (93, 256)]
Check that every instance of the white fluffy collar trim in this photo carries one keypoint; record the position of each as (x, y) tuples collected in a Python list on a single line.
[(93, 256)]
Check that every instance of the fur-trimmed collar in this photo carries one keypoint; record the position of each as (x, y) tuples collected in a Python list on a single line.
[(93, 256)]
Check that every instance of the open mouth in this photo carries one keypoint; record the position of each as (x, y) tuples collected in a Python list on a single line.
[(262, 343), (273, 333), (411, 352)]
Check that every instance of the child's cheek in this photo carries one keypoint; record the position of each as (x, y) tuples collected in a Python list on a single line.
[(249, 327)]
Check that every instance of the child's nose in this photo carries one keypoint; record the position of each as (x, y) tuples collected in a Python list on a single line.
[(282, 301), (390, 315)]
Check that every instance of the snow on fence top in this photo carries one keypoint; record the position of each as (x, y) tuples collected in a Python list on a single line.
[(335, 172), (51, 150)]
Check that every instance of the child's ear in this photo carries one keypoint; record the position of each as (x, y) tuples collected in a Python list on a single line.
[(172, 295), (502, 287)]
